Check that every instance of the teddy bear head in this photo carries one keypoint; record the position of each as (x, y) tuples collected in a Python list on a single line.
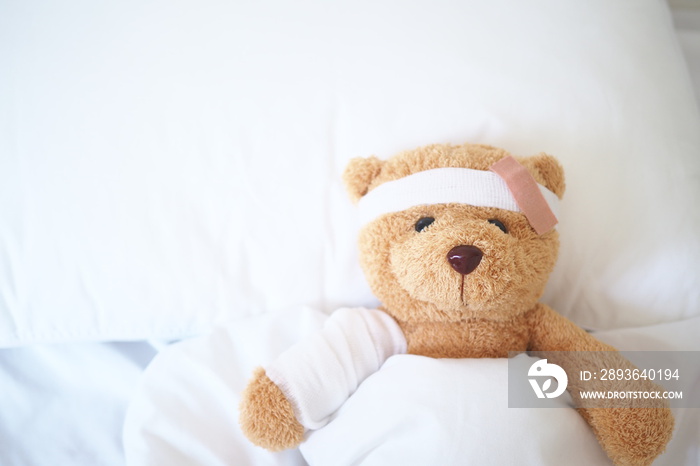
[(432, 261)]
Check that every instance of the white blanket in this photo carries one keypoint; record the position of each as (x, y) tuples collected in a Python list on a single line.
[(414, 410)]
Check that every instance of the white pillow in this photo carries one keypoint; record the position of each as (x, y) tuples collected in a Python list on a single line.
[(167, 167)]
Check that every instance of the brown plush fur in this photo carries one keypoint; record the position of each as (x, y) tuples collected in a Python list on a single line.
[(267, 416), (487, 313)]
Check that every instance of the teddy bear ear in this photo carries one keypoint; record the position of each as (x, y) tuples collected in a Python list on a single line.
[(359, 174), (548, 171)]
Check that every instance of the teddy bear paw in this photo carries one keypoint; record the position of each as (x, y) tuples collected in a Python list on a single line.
[(267, 417), (632, 436)]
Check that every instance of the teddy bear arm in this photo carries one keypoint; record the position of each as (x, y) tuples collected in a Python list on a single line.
[(267, 417), (307, 383), (629, 435), (550, 331)]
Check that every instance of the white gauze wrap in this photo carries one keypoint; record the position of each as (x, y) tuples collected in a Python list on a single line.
[(443, 186), (317, 375)]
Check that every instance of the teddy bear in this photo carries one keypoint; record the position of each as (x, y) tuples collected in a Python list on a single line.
[(457, 243)]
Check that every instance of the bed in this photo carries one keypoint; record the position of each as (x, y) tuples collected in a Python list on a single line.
[(157, 159)]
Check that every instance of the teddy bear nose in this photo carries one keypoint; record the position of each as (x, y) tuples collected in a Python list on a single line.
[(464, 259)]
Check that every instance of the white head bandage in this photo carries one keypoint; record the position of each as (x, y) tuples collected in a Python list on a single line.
[(457, 185)]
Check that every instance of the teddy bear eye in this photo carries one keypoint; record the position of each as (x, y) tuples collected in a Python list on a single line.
[(423, 223), (499, 224)]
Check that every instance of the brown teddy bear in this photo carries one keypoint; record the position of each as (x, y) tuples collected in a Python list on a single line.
[(457, 243)]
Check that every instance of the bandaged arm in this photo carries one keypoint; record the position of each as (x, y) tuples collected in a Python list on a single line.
[(317, 375)]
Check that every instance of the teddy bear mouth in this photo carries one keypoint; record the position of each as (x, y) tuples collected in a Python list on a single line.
[(461, 291)]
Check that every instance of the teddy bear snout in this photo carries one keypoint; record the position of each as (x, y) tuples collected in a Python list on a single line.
[(464, 259)]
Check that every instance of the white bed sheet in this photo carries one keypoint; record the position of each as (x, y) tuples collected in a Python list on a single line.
[(457, 411), (64, 404)]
